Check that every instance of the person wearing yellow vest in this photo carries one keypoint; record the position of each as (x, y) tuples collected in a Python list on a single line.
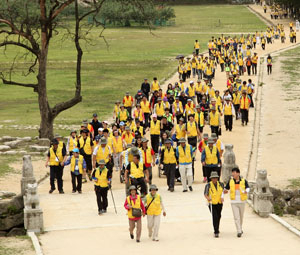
[(155, 133), (244, 107), (191, 92), (199, 119), (102, 179), (123, 114), (138, 113), (117, 146), (127, 137), (128, 102), (254, 61), (177, 109), (159, 108), (238, 189), (228, 111), (214, 120), (86, 147), (197, 47), (210, 158), (214, 195), (116, 110), (201, 147), (145, 106), (236, 102), (138, 130), (192, 131), (55, 159), (148, 157), (154, 207), (72, 142), (134, 201), (102, 151), (137, 174), (168, 162), (184, 153), (155, 85), (269, 64), (180, 131), (78, 167)]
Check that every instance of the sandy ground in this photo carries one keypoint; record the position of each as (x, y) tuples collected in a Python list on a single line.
[(17, 246), (72, 218)]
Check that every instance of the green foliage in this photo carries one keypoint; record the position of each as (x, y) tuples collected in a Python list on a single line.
[(278, 210), (294, 183)]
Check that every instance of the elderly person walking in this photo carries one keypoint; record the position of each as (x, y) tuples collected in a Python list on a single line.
[(136, 209), (154, 207)]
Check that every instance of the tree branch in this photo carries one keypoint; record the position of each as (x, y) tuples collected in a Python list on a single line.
[(22, 45), (66, 105), (61, 8), (27, 85)]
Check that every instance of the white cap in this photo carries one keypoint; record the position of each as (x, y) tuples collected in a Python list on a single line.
[(105, 122), (100, 129), (191, 82)]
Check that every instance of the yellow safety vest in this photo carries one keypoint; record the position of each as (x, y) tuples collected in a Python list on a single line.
[(86, 146), (169, 156), (189, 109), (242, 189), (128, 101), (117, 144), (244, 103), (72, 143), (180, 131), (140, 129), (184, 156), (145, 106), (155, 128), (101, 178), (139, 114), (123, 115), (80, 164), (117, 109), (159, 109), (214, 119), (215, 194), (192, 129), (211, 156), (227, 109), (199, 118), (155, 206), (137, 172), (136, 205), (236, 98), (128, 138), (155, 85), (55, 158), (197, 45), (148, 159), (178, 108), (191, 91), (102, 154)]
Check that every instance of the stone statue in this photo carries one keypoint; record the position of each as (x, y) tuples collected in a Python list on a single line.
[(27, 174), (229, 163), (31, 199), (262, 197)]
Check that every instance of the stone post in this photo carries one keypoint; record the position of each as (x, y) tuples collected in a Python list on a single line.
[(33, 214), (262, 196), (229, 163), (27, 174)]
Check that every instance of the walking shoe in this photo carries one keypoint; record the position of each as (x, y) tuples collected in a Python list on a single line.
[(61, 192), (191, 188), (131, 236), (104, 211), (185, 190), (51, 191), (137, 241), (79, 191), (73, 191), (99, 212), (168, 189), (171, 189), (84, 180), (155, 239), (239, 234), (216, 235)]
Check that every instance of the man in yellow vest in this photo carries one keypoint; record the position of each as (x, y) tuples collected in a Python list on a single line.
[(155, 85), (86, 147), (102, 179), (128, 102), (197, 47), (168, 161), (72, 142), (238, 189), (184, 153), (214, 195), (145, 105), (155, 133), (214, 120), (180, 129), (78, 167), (228, 111), (159, 108), (178, 109), (210, 158), (244, 107), (102, 151), (154, 207), (55, 159), (199, 118), (123, 114), (134, 201)]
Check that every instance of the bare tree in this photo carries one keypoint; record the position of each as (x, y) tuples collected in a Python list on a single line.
[(30, 25)]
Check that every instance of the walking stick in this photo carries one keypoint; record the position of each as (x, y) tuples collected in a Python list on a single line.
[(112, 196)]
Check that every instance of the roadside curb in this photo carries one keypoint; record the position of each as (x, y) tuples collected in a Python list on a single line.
[(268, 22), (36, 243), (285, 224)]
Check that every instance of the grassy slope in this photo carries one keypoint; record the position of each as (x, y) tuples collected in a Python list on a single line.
[(133, 54)]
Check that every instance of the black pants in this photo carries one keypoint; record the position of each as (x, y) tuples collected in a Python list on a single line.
[(215, 129), (88, 161), (197, 51), (269, 69), (222, 67), (254, 68), (209, 169), (254, 45), (101, 194), (56, 172), (251, 98), (79, 182), (199, 98), (139, 182), (155, 142), (146, 115), (216, 215), (244, 116), (170, 170), (263, 46), (241, 70), (249, 70), (129, 109), (188, 74), (183, 76), (236, 108), (150, 174), (192, 141), (228, 122)]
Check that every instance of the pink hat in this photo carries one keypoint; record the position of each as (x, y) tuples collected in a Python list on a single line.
[(154, 115), (165, 99)]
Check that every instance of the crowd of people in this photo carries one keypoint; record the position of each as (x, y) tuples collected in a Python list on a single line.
[(167, 128)]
